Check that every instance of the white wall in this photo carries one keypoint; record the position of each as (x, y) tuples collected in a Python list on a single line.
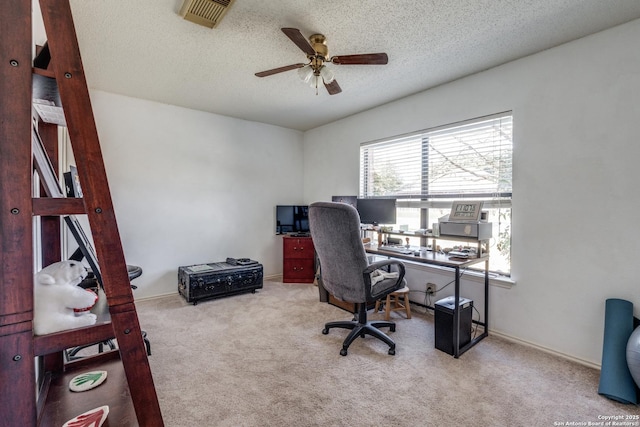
[(191, 187), (576, 233)]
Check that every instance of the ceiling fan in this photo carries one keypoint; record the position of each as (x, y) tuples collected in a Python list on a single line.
[(315, 71)]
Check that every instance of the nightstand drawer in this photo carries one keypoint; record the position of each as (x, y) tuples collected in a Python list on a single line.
[(298, 270), (298, 247)]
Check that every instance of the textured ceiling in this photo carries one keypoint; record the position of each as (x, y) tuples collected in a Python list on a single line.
[(144, 49)]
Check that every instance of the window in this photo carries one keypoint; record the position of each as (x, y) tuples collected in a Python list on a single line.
[(426, 171)]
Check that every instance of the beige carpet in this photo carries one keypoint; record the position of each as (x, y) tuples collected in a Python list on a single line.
[(261, 360)]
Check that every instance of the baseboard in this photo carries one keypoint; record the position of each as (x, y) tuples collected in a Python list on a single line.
[(545, 349), (156, 296)]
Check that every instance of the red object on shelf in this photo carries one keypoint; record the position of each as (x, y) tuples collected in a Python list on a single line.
[(84, 310)]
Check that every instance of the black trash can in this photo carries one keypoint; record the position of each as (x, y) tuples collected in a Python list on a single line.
[(444, 323)]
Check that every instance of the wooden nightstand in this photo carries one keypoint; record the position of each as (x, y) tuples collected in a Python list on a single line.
[(298, 259)]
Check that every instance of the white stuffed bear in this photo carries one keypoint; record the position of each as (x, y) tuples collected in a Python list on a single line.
[(56, 294)]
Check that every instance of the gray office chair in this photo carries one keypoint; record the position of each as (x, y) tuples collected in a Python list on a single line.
[(345, 270)]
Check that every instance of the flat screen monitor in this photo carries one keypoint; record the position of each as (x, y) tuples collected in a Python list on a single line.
[(377, 211), (292, 219)]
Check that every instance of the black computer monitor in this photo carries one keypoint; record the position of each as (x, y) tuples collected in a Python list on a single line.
[(377, 211), (292, 219)]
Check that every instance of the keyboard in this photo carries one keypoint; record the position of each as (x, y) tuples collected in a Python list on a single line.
[(396, 250)]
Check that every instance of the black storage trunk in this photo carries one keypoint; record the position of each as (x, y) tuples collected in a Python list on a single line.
[(444, 323), (201, 281)]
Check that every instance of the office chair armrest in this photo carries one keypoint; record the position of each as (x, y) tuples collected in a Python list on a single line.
[(385, 286), (384, 263)]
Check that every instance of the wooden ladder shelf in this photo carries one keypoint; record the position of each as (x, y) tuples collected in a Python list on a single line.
[(129, 390)]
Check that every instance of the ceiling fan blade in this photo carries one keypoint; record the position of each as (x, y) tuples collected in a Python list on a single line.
[(296, 36), (279, 70), (333, 88), (363, 59)]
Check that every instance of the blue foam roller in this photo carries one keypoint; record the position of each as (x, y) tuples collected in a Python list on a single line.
[(616, 381)]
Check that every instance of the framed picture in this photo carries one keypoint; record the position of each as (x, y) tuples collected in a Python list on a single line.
[(44, 167), (84, 246), (465, 211)]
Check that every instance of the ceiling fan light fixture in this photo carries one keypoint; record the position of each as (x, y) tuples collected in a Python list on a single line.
[(305, 73), (326, 74)]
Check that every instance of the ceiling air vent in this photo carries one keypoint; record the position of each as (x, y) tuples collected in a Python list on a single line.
[(205, 12)]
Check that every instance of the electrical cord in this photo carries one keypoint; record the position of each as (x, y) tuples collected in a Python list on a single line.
[(452, 281), (475, 325), (428, 300)]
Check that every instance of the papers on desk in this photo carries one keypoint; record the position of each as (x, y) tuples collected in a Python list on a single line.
[(462, 254)]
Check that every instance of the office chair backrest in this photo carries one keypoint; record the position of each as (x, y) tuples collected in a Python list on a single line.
[(335, 229)]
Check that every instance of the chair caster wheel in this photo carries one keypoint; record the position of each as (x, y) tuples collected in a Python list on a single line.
[(392, 352), (325, 331), (343, 352), (392, 328)]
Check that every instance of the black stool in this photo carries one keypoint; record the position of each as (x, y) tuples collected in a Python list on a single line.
[(134, 272), (91, 283)]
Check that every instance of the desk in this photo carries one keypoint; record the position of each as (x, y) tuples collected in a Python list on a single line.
[(441, 260)]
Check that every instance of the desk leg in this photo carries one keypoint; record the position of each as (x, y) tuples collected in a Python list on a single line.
[(456, 319), (486, 298), (456, 316)]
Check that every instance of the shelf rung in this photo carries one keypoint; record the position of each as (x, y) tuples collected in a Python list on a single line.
[(45, 344), (46, 206)]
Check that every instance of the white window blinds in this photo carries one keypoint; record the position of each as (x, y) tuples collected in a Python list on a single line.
[(472, 159)]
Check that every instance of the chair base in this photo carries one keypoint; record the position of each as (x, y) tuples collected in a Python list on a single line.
[(360, 328)]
